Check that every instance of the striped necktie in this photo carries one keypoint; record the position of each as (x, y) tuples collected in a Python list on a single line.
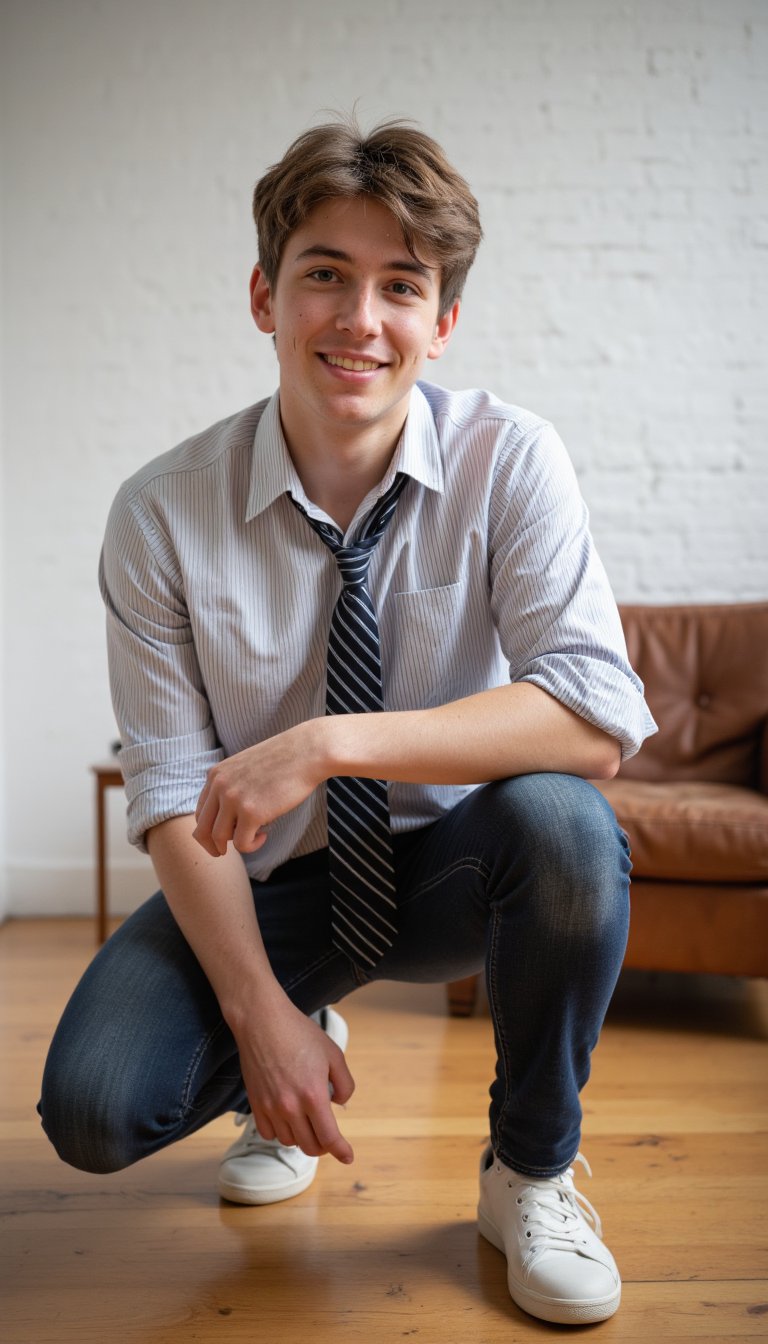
[(361, 868)]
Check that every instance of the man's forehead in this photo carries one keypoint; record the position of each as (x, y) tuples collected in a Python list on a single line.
[(343, 228)]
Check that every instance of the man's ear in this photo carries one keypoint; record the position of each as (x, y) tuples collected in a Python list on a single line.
[(444, 331), (261, 301)]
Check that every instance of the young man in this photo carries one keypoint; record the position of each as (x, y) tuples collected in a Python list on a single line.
[(364, 661)]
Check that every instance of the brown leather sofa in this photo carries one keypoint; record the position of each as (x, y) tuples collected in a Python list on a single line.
[(694, 801)]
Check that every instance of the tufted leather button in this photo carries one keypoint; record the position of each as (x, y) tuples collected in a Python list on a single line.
[(704, 700)]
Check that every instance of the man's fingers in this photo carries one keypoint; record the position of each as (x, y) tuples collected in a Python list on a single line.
[(222, 829), (275, 1126), (206, 814), (306, 1138), (215, 824), (329, 1136), (342, 1151), (206, 843), (202, 800), (248, 836), (314, 1130), (219, 820), (322, 1116), (264, 1124), (341, 1079)]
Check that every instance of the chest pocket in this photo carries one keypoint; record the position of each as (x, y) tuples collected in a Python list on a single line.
[(422, 638)]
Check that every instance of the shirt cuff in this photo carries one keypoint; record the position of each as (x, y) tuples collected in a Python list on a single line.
[(603, 694), (164, 779)]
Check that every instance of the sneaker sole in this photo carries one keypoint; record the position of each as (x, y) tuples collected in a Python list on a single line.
[(557, 1311)]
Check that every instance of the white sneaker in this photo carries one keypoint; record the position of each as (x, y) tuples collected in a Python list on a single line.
[(557, 1265), (263, 1171)]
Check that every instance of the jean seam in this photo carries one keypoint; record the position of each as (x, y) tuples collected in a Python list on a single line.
[(186, 1107), (468, 861), (309, 970), (503, 1046)]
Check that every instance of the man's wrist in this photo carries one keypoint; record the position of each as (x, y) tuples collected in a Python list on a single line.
[(329, 745), (262, 995), (346, 743)]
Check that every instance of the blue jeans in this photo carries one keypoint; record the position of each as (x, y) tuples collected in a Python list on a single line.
[(527, 877)]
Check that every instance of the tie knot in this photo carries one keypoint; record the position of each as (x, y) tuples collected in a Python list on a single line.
[(354, 560)]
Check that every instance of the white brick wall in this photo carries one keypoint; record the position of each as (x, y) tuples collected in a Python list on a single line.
[(618, 152)]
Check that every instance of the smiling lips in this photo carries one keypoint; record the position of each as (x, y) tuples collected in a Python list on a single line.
[(355, 365)]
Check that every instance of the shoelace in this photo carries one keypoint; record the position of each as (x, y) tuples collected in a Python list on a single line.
[(253, 1142), (553, 1211)]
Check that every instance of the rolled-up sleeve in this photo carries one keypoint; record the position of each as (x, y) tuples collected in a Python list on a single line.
[(552, 603), (168, 736)]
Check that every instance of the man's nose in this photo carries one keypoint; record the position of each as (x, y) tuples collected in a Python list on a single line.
[(359, 312)]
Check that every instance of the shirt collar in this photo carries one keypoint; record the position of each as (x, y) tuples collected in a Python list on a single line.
[(418, 452), (273, 473)]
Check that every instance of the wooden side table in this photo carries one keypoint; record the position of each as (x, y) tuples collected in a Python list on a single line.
[(108, 776)]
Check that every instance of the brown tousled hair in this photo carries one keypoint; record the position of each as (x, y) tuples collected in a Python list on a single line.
[(397, 165)]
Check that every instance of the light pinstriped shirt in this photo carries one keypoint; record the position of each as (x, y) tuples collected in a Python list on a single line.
[(219, 598)]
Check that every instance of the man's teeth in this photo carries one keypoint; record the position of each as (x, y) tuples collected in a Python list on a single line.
[(358, 365)]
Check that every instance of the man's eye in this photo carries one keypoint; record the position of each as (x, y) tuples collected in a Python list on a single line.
[(402, 287), (322, 273)]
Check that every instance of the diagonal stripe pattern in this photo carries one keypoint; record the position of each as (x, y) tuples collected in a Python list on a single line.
[(359, 838)]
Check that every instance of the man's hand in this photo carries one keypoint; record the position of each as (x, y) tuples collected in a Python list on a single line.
[(244, 793), (288, 1064)]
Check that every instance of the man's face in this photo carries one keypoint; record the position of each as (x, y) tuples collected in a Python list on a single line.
[(354, 318)]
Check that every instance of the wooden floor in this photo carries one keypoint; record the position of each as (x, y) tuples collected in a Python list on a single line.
[(676, 1116)]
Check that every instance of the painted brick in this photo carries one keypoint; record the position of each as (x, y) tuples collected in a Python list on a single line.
[(619, 154)]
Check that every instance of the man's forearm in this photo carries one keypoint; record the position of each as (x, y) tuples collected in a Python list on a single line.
[(290, 1067), (510, 730), (212, 903)]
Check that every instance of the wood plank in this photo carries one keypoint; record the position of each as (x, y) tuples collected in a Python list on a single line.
[(676, 1116), (647, 1216)]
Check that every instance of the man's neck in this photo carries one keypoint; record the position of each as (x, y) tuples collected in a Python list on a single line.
[(339, 467)]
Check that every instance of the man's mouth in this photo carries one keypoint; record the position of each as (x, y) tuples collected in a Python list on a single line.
[(355, 365)]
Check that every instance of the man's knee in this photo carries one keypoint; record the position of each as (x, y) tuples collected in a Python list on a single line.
[(569, 849), (78, 1119)]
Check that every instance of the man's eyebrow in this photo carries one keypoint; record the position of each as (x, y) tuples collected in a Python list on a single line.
[(398, 264)]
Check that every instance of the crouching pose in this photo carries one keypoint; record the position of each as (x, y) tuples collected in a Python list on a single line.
[(364, 661)]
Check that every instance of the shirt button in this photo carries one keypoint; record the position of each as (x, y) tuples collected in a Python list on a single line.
[(704, 701)]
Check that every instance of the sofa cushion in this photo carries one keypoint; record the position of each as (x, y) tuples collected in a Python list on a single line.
[(695, 832), (705, 670)]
